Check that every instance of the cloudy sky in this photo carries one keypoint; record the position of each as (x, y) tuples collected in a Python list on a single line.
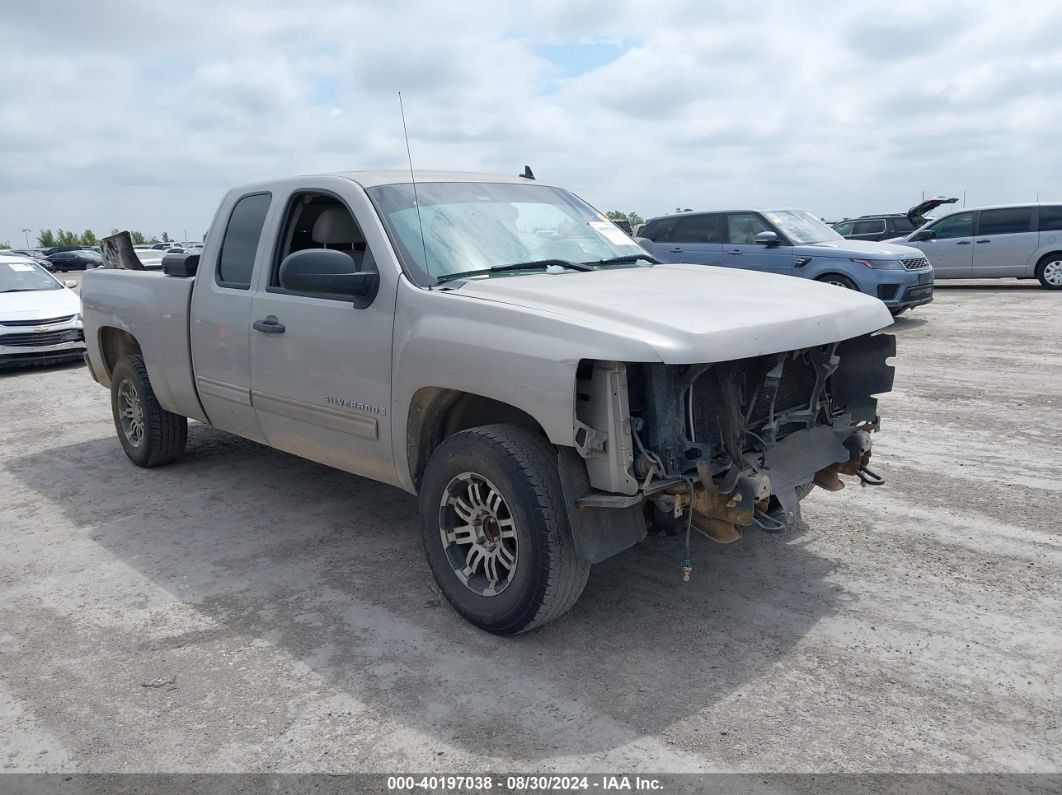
[(140, 114)]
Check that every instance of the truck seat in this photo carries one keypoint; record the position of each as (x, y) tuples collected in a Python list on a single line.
[(335, 228)]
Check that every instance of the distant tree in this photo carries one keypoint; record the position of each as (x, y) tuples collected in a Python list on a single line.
[(88, 238), (632, 218), (46, 239), (115, 230), (4, 245), (165, 238), (138, 238), (66, 238)]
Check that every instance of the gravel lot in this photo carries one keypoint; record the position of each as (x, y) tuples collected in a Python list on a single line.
[(244, 610)]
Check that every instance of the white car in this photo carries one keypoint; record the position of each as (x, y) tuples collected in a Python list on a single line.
[(40, 316)]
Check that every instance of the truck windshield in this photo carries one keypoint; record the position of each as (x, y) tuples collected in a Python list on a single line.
[(470, 226), (802, 227), (19, 277)]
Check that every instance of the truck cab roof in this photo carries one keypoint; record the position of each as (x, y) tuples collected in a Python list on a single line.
[(370, 179)]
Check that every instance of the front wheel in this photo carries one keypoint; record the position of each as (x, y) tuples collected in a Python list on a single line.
[(495, 530), (837, 280), (149, 434), (1049, 271), (897, 310)]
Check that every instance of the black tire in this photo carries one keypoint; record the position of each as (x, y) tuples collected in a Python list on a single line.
[(838, 280), (162, 434), (1049, 271), (547, 576), (898, 310), (804, 489)]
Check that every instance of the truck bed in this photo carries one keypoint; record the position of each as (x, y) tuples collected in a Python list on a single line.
[(154, 308)]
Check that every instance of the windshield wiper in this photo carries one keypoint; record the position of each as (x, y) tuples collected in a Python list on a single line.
[(20, 290), (516, 266), (627, 258)]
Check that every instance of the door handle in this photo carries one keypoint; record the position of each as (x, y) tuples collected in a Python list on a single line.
[(675, 250), (270, 325), (963, 243), (984, 241), (734, 251)]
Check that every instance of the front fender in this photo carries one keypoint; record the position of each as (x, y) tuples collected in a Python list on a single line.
[(511, 354)]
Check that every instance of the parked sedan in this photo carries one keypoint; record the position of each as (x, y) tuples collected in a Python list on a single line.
[(794, 243), (1016, 241), (40, 317), (80, 260)]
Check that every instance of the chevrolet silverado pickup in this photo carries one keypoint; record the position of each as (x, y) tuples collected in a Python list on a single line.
[(497, 347)]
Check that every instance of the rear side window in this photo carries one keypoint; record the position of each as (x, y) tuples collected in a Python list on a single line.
[(902, 225), (1050, 218), (844, 228), (698, 229), (240, 244), (958, 225), (870, 227), (1006, 221), (659, 230)]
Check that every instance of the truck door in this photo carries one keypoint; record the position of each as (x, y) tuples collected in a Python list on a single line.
[(742, 251), (322, 364), (220, 330)]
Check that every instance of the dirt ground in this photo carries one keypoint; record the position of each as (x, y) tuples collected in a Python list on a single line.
[(244, 610)]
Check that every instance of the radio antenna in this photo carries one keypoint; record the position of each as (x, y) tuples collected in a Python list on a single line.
[(413, 179)]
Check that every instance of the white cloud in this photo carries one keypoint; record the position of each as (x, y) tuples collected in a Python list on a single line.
[(138, 115)]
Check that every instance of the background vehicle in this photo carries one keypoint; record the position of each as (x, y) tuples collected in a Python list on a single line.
[(152, 258), (40, 317), (33, 254), (1008, 241), (494, 346), (81, 259), (889, 225), (794, 243)]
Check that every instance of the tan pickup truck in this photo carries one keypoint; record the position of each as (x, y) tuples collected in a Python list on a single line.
[(499, 348)]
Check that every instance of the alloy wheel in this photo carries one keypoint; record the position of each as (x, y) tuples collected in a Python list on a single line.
[(131, 411), (478, 534)]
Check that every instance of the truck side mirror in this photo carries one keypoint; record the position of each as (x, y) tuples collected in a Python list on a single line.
[(326, 272), (925, 234), (767, 239)]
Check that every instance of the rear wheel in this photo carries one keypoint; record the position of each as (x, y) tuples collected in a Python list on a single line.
[(1049, 271), (837, 280), (897, 310), (149, 434), (495, 530)]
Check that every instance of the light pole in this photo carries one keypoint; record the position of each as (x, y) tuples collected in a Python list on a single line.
[(26, 230)]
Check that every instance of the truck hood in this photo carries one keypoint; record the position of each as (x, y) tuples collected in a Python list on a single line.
[(693, 313), (856, 248), (38, 304)]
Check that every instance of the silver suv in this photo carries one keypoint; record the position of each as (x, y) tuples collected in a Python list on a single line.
[(1012, 241)]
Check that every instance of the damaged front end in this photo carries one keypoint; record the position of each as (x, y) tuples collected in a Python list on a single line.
[(725, 446)]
